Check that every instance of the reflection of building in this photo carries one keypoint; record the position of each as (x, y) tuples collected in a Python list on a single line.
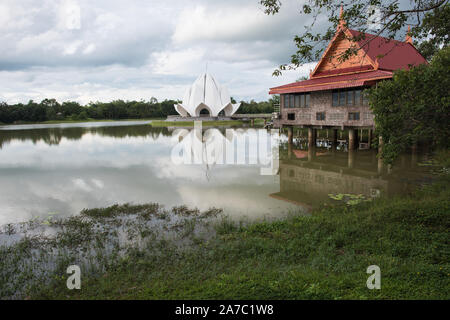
[(206, 98), (309, 183), (232, 147)]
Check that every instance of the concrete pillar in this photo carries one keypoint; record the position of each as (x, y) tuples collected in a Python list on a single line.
[(311, 153), (312, 136), (334, 138), (352, 139), (290, 140), (290, 134), (351, 158)]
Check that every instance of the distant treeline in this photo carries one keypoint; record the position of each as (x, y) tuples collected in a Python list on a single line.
[(50, 109)]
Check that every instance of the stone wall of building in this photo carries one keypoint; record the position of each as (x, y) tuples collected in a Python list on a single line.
[(321, 101)]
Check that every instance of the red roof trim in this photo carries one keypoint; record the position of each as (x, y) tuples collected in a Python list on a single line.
[(335, 82)]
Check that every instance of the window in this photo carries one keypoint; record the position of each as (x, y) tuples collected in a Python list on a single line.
[(286, 101), (342, 98), (357, 95), (353, 116), (320, 116), (297, 100), (349, 97), (291, 116), (335, 98)]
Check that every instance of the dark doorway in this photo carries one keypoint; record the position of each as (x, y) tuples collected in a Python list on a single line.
[(204, 113)]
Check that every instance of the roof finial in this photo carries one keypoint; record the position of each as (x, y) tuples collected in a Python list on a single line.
[(408, 37), (341, 17)]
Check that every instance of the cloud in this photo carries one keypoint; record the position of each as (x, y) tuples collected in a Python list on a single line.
[(70, 15), (88, 51)]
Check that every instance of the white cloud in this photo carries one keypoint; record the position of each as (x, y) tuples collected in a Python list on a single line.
[(70, 15), (88, 51)]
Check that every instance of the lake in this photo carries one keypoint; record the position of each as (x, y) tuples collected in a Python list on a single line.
[(63, 168)]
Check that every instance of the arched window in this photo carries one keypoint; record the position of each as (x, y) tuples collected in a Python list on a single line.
[(204, 113)]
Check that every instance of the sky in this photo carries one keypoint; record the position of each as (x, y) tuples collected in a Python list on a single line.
[(137, 49)]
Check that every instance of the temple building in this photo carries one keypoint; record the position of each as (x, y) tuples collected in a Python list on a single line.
[(206, 97), (332, 97)]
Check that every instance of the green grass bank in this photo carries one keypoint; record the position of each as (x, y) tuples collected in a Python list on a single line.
[(322, 256)]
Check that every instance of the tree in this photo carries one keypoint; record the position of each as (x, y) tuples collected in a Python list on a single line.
[(380, 17), (414, 107), (435, 29)]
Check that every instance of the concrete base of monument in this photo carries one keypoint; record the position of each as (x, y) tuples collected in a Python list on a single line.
[(180, 118)]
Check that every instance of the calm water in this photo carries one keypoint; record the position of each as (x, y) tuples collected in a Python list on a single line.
[(65, 168)]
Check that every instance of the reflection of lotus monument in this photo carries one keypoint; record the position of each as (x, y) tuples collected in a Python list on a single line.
[(206, 98)]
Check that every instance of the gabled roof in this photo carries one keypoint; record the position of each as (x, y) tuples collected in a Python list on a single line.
[(381, 56), (390, 54)]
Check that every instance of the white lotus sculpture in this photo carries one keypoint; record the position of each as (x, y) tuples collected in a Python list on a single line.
[(206, 98)]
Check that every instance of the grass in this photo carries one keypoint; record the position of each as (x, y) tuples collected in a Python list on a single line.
[(204, 123), (324, 256)]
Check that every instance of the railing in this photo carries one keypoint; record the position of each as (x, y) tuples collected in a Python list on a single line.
[(276, 107)]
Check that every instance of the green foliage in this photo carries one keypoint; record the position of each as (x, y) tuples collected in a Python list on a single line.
[(52, 110), (414, 107), (258, 107), (435, 29)]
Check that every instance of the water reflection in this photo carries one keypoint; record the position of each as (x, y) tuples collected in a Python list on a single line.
[(54, 135), (64, 170), (308, 176)]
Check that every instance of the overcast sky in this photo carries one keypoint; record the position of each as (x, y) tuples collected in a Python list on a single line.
[(105, 50)]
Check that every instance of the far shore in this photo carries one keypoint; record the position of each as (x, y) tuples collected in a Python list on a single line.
[(76, 121), (155, 122)]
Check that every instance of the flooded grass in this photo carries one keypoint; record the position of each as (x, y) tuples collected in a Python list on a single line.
[(36, 253), (148, 252)]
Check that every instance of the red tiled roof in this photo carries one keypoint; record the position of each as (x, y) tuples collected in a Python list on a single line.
[(343, 71), (333, 82), (392, 54)]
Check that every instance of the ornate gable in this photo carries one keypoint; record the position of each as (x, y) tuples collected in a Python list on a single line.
[(331, 59)]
